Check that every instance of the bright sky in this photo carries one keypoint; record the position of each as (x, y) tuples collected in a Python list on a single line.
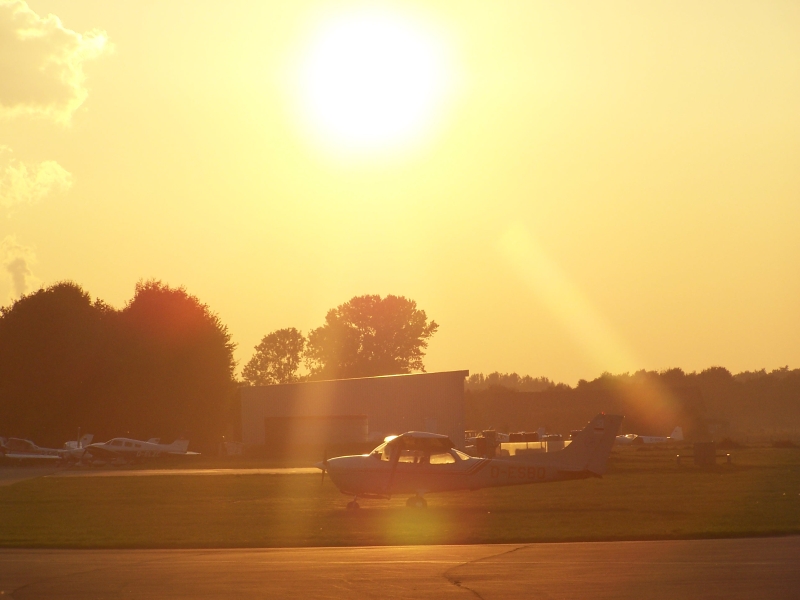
[(565, 187)]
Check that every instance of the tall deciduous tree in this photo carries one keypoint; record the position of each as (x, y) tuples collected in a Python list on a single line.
[(52, 367), (175, 364), (369, 336), (162, 366), (277, 358)]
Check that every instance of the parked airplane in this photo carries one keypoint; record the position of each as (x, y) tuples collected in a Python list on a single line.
[(79, 444), (632, 438), (128, 450), (418, 463), (25, 450)]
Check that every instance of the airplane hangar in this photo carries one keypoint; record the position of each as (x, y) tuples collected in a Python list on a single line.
[(353, 411)]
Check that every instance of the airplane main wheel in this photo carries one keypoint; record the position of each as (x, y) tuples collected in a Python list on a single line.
[(417, 502), (352, 505)]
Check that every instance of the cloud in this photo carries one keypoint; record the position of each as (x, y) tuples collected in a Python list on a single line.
[(22, 183), (41, 63), (16, 260)]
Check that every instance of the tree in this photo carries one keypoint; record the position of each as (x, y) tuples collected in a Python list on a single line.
[(277, 358), (161, 366), (52, 355), (175, 367), (369, 336)]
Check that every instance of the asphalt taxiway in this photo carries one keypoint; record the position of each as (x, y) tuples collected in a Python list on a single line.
[(686, 569), (12, 475), (155, 472)]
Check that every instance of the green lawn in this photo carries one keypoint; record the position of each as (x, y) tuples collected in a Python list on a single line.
[(645, 495)]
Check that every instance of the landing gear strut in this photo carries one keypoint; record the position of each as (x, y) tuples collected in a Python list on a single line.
[(416, 502)]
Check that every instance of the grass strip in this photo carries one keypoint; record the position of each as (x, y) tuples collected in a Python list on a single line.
[(645, 495)]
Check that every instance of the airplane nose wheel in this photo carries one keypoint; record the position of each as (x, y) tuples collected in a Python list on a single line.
[(353, 505), (416, 502)]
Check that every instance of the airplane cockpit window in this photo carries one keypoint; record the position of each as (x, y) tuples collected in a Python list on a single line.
[(419, 456), (442, 458), (412, 456), (16, 445), (128, 444), (116, 442), (461, 455)]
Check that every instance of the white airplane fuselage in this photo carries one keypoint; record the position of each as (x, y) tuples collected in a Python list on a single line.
[(632, 438), (25, 450), (127, 449), (369, 476), (409, 464)]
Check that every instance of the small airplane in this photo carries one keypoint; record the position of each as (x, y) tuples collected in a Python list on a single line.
[(79, 444), (632, 438), (25, 450), (418, 463), (122, 450)]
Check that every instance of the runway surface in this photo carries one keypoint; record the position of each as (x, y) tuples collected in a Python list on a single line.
[(153, 472), (740, 568), (12, 475)]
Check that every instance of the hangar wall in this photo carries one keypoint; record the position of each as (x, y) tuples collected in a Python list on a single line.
[(393, 404)]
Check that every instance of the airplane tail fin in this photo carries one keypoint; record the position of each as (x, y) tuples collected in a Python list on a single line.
[(677, 434), (590, 449), (179, 446)]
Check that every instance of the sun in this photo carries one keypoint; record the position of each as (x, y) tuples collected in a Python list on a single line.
[(372, 81)]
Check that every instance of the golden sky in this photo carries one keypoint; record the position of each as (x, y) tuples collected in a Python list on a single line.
[(565, 187)]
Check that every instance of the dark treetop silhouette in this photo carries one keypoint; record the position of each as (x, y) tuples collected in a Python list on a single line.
[(364, 337), (369, 336), (277, 358), (162, 366)]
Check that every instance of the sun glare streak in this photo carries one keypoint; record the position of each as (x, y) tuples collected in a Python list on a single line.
[(575, 313), (372, 81), (564, 300)]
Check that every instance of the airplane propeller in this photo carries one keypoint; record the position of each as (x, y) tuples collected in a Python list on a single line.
[(324, 464), (391, 480)]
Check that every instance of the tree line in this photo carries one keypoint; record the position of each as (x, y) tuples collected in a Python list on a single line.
[(713, 402), (364, 337), (162, 366)]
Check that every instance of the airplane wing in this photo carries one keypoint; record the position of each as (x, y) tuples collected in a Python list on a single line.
[(100, 450), (18, 456)]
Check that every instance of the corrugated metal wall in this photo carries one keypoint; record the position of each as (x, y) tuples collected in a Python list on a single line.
[(393, 404)]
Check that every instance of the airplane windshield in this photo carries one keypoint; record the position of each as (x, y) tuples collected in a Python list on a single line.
[(461, 455), (382, 452)]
